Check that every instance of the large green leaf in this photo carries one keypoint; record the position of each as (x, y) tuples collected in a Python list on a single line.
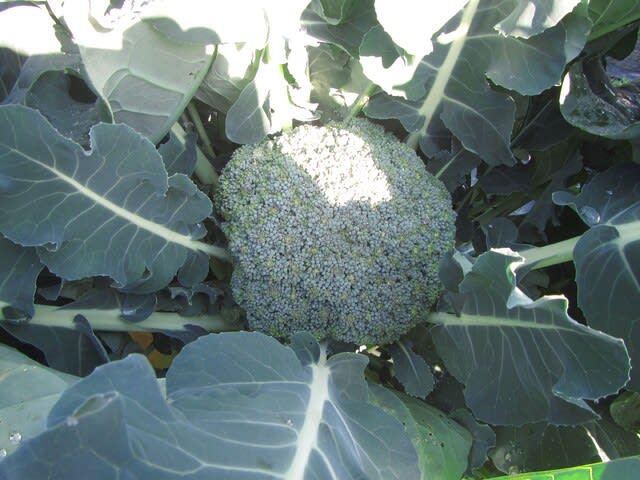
[(412, 23), (111, 211), (145, 77), (532, 17), (237, 406), (609, 15), (607, 257), (449, 87), (27, 392), (19, 268), (524, 361)]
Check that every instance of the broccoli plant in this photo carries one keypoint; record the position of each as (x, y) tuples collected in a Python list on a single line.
[(319, 239), (337, 230)]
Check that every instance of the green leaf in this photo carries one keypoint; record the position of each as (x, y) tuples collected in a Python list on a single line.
[(10, 66), (497, 326), (453, 167), (442, 445), (144, 77), (625, 468), (610, 15), (449, 87), (550, 172), (19, 269), (542, 447), (412, 23), (532, 17), (237, 404), (484, 438), (349, 34), (229, 74), (111, 211), (27, 392), (625, 411), (590, 101), (49, 94), (607, 255), (247, 119), (333, 11), (179, 156), (543, 125), (411, 370)]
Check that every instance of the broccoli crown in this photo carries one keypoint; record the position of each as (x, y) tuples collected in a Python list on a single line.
[(336, 230)]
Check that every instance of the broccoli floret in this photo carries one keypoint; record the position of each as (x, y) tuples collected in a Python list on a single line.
[(336, 230)]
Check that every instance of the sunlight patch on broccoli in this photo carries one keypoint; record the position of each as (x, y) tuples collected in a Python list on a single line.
[(337, 230)]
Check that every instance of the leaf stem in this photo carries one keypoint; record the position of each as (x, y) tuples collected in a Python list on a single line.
[(111, 320), (360, 102), (204, 170), (553, 254), (206, 141)]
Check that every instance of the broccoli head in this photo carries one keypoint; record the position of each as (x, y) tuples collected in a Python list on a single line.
[(336, 230)]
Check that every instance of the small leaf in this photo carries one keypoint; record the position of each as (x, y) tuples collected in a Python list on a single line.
[(411, 370), (19, 269), (484, 438)]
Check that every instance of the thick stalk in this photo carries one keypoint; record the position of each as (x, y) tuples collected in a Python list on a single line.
[(553, 254), (111, 321)]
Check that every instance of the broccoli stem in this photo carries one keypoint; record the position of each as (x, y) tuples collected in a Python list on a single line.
[(111, 321), (553, 254)]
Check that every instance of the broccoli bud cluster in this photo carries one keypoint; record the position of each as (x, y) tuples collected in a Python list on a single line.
[(336, 230)]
